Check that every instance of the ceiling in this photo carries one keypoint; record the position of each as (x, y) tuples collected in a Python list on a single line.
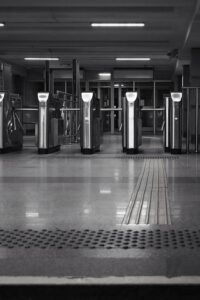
[(61, 28)]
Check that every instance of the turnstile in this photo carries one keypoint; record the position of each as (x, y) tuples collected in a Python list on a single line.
[(90, 123), (167, 143), (132, 117), (124, 127), (48, 140), (176, 136), (11, 129)]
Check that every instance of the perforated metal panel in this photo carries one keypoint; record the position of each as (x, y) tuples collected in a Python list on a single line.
[(101, 239)]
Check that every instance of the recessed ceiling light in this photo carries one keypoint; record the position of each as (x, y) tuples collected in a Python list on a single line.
[(41, 58), (2, 24), (104, 74), (133, 59), (117, 24)]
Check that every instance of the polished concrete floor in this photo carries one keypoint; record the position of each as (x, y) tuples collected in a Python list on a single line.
[(152, 195), (67, 188)]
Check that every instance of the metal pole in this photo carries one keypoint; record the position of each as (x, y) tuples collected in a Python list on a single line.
[(197, 119), (188, 122)]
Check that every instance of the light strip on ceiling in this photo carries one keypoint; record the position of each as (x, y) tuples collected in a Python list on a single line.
[(41, 58), (2, 24), (117, 24), (105, 74), (133, 59)]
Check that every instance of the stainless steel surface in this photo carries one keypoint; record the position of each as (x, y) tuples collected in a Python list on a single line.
[(167, 122), (87, 143), (111, 109), (43, 121), (132, 124), (131, 130), (27, 109), (124, 124), (175, 129), (86, 107)]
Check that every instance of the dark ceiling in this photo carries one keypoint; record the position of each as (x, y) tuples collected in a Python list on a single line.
[(62, 28)]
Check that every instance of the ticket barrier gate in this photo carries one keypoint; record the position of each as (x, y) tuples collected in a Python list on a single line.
[(48, 124), (90, 123), (166, 129), (176, 135), (131, 134), (11, 129)]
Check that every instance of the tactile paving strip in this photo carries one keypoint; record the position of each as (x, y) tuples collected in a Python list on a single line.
[(149, 202), (103, 156), (101, 239)]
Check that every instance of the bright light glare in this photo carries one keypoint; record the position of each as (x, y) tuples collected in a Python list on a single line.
[(133, 59), (40, 58), (32, 214), (104, 74), (117, 24)]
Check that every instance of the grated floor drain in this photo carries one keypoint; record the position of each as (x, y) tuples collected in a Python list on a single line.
[(101, 239)]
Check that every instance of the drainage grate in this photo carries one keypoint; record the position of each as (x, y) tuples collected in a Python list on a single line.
[(101, 239)]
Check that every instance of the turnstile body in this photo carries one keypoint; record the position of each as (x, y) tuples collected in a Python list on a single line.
[(90, 123), (176, 136), (167, 144), (11, 131), (48, 140), (124, 125), (132, 117)]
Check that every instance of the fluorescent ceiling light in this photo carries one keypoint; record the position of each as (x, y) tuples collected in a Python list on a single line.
[(133, 59), (117, 24), (118, 85), (41, 58), (104, 74), (2, 24)]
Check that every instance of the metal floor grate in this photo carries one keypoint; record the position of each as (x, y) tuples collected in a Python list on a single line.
[(101, 239)]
